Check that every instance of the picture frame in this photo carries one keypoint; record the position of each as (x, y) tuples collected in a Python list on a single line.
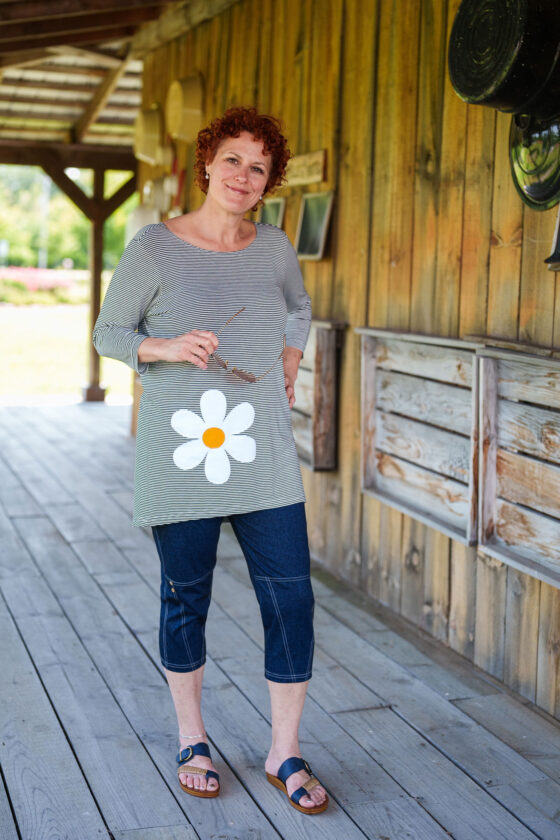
[(272, 211), (314, 217)]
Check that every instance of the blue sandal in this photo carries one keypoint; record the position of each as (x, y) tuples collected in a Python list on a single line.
[(292, 765), (184, 767)]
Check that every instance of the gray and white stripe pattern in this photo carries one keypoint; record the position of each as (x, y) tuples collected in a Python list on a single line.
[(164, 287)]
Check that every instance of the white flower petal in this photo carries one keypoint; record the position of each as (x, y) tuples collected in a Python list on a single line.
[(241, 447), (217, 466), (213, 407), (239, 419), (187, 423), (189, 455)]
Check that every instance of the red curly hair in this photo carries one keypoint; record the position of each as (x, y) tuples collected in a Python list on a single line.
[(235, 120)]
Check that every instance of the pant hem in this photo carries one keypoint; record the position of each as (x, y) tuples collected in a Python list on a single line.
[(183, 669), (288, 678)]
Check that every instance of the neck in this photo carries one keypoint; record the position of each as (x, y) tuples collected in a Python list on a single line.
[(219, 225)]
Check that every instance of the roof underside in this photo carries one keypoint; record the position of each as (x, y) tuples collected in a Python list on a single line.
[(69, 78)]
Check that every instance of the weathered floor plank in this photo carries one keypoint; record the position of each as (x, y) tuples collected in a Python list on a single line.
[(48, 792), (8, 829)]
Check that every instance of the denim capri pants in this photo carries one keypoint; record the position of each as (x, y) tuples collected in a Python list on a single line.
[(274, 543)]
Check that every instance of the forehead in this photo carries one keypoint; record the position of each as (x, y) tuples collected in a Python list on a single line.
[(246, 145)]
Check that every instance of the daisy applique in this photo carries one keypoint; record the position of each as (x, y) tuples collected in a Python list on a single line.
[(214, 436)]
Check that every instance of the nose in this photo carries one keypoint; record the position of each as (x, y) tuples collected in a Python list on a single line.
[(241, 175)]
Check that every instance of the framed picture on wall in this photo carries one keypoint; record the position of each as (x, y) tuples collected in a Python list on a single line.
[(313, 223), (272, 211)]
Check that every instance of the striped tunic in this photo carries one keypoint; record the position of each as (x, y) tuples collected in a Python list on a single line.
[(208, 443)]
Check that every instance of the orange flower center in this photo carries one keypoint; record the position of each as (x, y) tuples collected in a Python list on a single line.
[(213, 438)]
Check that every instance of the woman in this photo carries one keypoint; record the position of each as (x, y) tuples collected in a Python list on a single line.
[(211, 310)]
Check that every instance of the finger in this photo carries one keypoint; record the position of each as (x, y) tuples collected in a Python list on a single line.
[(209, 337)]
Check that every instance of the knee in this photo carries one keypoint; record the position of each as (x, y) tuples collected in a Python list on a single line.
[(286, 599)]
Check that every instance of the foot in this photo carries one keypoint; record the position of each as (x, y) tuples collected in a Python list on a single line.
[(195, 780), (316, 795)]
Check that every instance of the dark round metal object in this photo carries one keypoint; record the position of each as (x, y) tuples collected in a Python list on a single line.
[(534, 154), (506, 54)]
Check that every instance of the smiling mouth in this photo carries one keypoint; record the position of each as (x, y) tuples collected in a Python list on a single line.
[(238, 191)]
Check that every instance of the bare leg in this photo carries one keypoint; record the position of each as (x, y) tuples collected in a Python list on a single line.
[(186, 691), (286, 703)]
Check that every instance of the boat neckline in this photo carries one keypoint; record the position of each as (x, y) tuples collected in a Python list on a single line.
[(208, 250)]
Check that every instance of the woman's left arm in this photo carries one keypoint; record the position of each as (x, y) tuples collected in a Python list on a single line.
[(298, 304)]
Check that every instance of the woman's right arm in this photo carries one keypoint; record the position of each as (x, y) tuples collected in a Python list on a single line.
[(134, 287), (194, 347)]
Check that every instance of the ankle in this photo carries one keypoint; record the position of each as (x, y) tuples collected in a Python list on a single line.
[(281, 749)]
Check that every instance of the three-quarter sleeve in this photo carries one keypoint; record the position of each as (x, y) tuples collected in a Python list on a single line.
[(134, 285), (298, 302)]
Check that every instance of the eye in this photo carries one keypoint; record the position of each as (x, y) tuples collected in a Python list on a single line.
[(258, 170), (231, 160)]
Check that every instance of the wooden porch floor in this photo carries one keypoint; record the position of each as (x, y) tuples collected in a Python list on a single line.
[(411, 741)]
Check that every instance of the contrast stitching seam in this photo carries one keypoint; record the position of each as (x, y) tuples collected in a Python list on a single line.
[(281, 622), (266, 577), (184, 633), (188, 582)]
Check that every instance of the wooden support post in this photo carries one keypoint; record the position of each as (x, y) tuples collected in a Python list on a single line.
[(93, 392)]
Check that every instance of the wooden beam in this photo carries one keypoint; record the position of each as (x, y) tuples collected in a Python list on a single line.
[(99, 100), (98, 56), (93, 392), (119, 197), (111, 109), (73, 24), (175, 21), (41, 9), (25, 58), (55, 170), (97, 36), (82, 155), (61, 115)]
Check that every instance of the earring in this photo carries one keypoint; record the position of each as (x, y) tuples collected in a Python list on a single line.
[(260, 198), (207, 176)]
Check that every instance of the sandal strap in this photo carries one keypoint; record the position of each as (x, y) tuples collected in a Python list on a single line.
[(292, 765), (191, 770), (196, 749)]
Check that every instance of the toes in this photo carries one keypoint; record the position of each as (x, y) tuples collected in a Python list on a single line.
[(307, 802)]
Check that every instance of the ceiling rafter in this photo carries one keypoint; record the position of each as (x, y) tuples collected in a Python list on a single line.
[(15, 10), (110, 33), (72, 24), (99, 100)]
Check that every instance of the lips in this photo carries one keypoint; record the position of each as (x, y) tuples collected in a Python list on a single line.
[(237, 190)]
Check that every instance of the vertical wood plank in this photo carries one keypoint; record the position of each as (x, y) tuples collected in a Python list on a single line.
[(394, 163), (521, 632), (445, 317), (350, 246), (489, 639), (435, 617), (389, 557), (548, 660), (536, 298), (477, 219), (412, 578), (462, 600), (370, 542), (488, 373), (506, 239), (368, 366), (431, 71)]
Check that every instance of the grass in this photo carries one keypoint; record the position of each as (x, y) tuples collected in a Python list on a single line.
[(44, 352)]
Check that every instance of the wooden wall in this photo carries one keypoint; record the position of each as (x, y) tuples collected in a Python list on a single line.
[(428, 235)]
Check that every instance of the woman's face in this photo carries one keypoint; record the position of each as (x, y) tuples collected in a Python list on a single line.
[(239, 173)]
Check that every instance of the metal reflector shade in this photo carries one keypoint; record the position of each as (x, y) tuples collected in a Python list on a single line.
[(506, 54)]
